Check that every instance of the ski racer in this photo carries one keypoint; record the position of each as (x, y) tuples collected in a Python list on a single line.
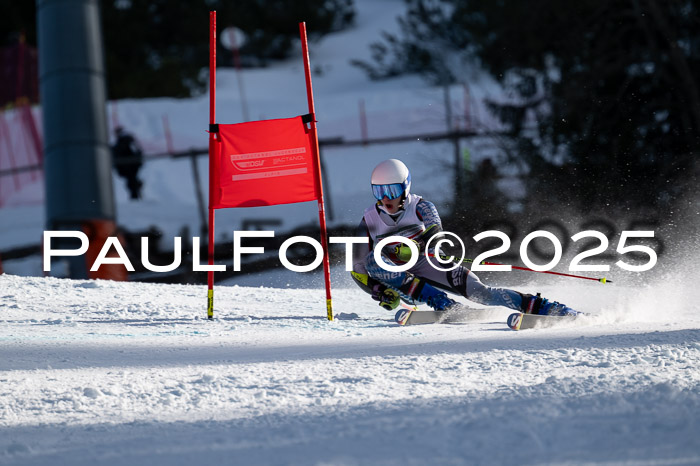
[(398, 212)]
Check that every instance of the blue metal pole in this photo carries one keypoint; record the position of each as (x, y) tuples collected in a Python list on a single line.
[(77, 163)]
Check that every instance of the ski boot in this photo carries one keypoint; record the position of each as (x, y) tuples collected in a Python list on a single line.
[(419, 290), (539, 305), (436, 299)]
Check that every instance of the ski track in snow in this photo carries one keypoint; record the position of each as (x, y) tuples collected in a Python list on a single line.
[(97, 372)]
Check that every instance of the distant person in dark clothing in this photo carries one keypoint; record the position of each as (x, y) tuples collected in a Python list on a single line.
[(128, 158), (485, 182)]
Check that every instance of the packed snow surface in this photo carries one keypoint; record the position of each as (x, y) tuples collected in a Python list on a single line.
[(99, 372)]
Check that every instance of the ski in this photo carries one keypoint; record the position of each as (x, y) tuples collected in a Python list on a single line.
[(412, 316), (521, 321)]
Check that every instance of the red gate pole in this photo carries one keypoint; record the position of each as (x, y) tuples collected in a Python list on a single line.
[(314, 146), (212, 160)]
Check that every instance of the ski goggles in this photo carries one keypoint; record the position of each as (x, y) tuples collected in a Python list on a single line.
[(391, 191)]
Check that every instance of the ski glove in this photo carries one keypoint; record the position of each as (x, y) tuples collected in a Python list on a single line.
[(403, 252), (388, 298)]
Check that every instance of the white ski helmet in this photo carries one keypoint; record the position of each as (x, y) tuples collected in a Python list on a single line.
[(392, 179)]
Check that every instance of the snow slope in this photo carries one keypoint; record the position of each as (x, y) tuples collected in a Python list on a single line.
[(96, 372)]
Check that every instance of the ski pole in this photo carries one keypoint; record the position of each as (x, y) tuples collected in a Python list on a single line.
[(601, 280)]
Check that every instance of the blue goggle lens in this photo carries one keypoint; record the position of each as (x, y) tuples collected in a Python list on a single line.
[(391, 191)]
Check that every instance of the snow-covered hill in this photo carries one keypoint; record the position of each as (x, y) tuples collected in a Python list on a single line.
[(96, 372)]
